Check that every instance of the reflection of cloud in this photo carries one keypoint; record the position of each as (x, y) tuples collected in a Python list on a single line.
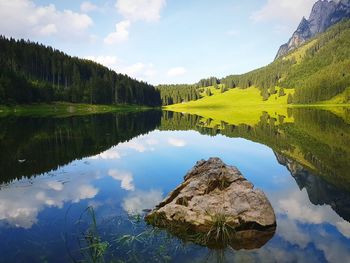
[(289, 230), (298, 207), (109, 154), (135, 145), (21, 201), (140, 200), (300, 224), (176, 142), (126, 179)]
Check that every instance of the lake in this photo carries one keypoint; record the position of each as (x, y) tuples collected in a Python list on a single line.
[(76, 189)]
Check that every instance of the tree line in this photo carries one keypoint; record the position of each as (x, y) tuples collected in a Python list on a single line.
[(178, 93), (31, 72)]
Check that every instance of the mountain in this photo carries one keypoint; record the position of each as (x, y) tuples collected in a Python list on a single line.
[(34, 73), (324, 14), (317, 71)]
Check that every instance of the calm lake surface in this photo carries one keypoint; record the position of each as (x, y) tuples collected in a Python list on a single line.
[(76, 189)]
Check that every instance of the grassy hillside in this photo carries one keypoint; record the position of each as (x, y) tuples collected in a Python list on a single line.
[(236, 106)]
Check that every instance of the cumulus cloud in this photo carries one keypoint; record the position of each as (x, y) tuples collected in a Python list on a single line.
[(140, 200), (147, 10), (176, 142), (177, 71), (125, 178), (283, 10), (120, 34), (143, 71), (108, 61), (25, 19), (87, 7)]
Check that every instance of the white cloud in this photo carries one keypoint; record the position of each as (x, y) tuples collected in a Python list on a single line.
[(140, 200), (176, 142), (125, 178), (121, 33), (88, 7), (25, 19), (108, 61), (147, 10), (49, 29), (177, 71), (283, 10), (140, 71)]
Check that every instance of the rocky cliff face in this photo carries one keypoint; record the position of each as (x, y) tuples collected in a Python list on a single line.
[(323, 15)]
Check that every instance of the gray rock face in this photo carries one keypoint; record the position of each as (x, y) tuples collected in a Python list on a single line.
[(323, 15), (214, 199)]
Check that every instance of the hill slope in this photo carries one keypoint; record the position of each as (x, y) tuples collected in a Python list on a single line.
[(35, 73), (318, 70)]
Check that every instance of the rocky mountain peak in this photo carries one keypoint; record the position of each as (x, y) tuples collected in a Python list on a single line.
[(324, 14)]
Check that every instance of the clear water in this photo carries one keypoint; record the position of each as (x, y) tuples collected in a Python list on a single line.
[(64, 180)]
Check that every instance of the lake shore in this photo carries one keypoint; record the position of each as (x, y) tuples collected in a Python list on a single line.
[(63, 109)]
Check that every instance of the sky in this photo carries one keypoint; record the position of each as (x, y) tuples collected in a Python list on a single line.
[(160, 41)]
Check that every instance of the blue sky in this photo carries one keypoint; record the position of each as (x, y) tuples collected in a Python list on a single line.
[(160, 41)]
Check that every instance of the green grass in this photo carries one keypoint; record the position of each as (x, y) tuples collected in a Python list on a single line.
[(63, 109), (236, 106)]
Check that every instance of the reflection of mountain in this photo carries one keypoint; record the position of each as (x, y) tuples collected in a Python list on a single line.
[(32, 146), (317, 139), (320, 192)]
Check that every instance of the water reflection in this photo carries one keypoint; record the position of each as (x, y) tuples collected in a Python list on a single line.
[(73, 163)]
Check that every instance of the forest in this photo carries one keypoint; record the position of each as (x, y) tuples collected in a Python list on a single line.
[(34, 73)]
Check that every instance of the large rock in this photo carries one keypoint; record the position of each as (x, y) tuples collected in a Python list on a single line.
[(216, 206)]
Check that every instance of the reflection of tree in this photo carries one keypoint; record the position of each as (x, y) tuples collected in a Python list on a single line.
[(317, 139), (35, 145)]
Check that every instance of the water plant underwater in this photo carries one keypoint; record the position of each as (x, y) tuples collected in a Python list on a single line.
[(122, 238)]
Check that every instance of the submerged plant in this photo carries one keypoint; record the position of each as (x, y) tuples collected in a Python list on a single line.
[(92, 247)]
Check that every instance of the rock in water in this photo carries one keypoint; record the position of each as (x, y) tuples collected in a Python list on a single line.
[(216, 206)]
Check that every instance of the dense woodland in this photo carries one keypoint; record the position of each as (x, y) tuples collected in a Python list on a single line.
[(177, 93), (317, 72), (35, 73)]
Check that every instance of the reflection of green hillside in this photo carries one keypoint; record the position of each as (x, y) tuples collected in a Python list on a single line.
[(32, 146), (317, 139)]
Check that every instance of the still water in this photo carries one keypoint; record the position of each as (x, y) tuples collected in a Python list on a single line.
[(75, 189)]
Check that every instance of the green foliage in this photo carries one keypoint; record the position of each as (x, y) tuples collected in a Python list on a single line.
[(281, 92), (208, 92), (212, 81), (173, 94), (35, 73)]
